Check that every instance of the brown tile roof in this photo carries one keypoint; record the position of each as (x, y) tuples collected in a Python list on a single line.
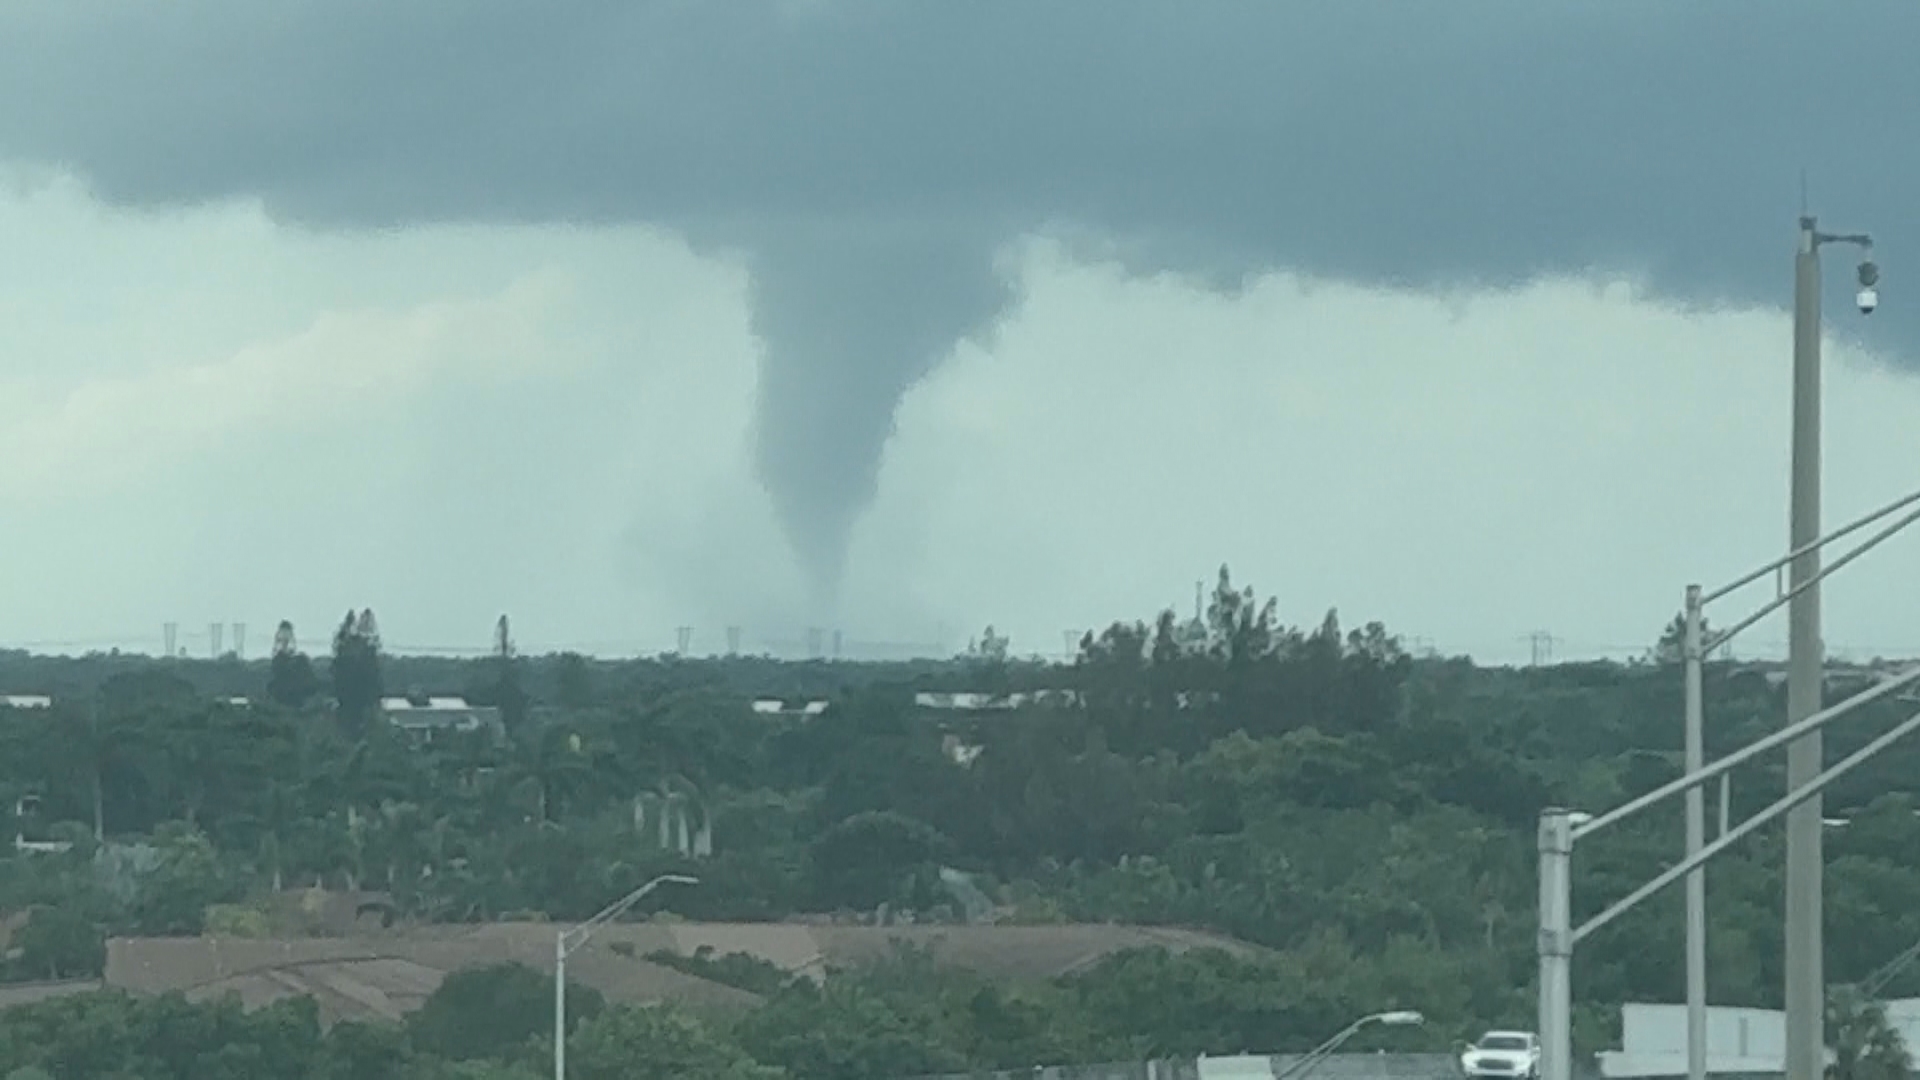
[(387, 975)]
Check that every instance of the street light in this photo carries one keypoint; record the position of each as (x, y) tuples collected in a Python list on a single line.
[(567, 941), (1805, 945), (1312, 1059)]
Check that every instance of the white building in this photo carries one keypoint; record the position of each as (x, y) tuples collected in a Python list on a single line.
[(783, 707), (966, 701), (422, 715), (1653, 1039)]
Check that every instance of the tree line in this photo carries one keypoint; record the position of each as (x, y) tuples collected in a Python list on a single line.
[(1315, 790)]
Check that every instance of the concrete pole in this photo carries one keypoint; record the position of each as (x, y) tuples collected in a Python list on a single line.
[(560, 1006), (1556, 944), (1696, 839), (1805, 946)]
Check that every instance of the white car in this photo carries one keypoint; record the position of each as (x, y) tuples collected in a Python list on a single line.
[(1502, 1054)]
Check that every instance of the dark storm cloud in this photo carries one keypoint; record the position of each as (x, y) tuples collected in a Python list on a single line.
[(867, 157)]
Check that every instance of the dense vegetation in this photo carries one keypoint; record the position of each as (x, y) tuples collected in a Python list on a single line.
[(1368, 815)]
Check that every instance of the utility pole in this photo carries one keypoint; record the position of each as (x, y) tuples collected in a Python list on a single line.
[(1805, 942), (1693, 648)]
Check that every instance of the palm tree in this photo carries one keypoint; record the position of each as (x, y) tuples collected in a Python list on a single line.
[(1865, 1046), (678, 815), (103, 746), (553, 763), (281, 811)]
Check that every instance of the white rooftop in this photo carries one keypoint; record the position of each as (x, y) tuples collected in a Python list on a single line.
[(401, 704), (776, 706)]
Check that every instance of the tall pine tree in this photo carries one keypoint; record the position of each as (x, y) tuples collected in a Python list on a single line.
[(357, 681), (291, 681)]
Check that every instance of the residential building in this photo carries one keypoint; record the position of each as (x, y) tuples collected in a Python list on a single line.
[(423, 716), (805, 710)]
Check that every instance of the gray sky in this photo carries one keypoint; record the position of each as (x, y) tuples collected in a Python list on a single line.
[(620, 316)]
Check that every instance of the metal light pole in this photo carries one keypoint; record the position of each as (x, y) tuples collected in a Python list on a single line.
[(566, 941), (1805, 945), (1312, 1058)]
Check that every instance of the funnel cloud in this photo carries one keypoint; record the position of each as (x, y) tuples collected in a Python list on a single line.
[(865, 158), (850, 320)]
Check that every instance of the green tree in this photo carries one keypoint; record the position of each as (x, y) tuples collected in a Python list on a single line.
[(110, 750), (657, 1043), (870, 858), (60, 943), (290, 678), (363, 1051), (173, 898), (844, 1031), (573, 681), (507, 692), (358, 680), (1669, 648), (1865, 1046), (486, 1012)]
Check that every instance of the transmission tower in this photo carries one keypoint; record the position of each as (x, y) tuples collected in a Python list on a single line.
[(240, 641), (815, 639), (685, 636), (215, 631), (170, 633), (1541, 643), (836, 644), (733, 641)]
